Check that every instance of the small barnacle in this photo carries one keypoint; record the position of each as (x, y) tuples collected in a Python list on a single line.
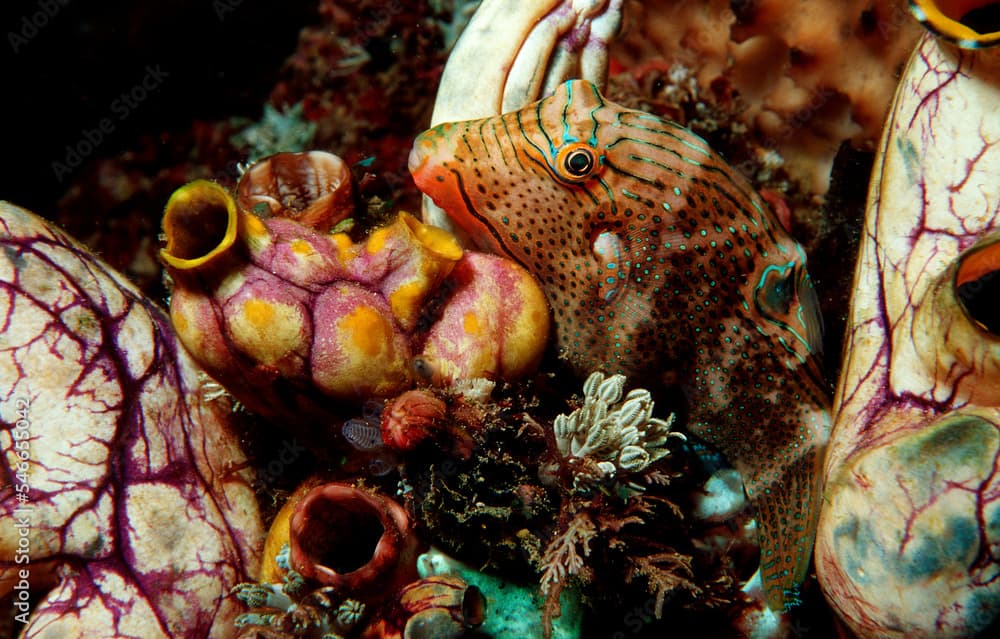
[(411, 419)]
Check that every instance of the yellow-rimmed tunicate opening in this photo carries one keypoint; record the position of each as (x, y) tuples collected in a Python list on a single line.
[(199, 223), (969, 24), (977, 284)]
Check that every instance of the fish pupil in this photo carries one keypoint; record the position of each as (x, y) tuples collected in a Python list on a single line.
[(579, 162), (781, 294)]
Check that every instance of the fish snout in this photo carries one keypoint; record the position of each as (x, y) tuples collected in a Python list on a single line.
[(433, 144)]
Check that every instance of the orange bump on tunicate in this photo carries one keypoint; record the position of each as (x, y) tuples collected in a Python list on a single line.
[(344, 245), (358, 351), (272, 333), (181, 325), (433, 238), (368, 331), (196, 323), (254, 233), (527, 331), (376, 241), (302, 247), (471, 324), (406, 301), (495, 322)]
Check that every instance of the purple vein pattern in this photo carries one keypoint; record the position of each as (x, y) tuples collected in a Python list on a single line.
[(131, 495)]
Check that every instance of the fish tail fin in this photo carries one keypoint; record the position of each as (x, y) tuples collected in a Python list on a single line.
[(787, 514)]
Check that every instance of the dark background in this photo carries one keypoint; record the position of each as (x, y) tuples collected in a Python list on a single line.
[(221, 57)]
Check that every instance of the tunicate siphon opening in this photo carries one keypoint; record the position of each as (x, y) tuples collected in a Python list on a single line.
[(473, 607), (977, 286), (341, 535), (358, 542), (314, 188), (970, 24), (199, 222), (983, 19)]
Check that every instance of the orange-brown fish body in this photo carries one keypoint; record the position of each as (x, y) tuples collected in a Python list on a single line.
[(660, 262)]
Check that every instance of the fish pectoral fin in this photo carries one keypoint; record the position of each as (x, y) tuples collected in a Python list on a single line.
[(787, 510)]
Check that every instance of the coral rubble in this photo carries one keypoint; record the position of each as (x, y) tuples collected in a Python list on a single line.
[(807, 76), (516, 506)]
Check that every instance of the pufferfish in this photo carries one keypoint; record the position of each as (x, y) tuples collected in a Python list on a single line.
[(661, 263)]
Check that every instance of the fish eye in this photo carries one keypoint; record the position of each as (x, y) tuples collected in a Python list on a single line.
[(785, 296), (779, 296), (776, 290), (579, 162), (576, 162)]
